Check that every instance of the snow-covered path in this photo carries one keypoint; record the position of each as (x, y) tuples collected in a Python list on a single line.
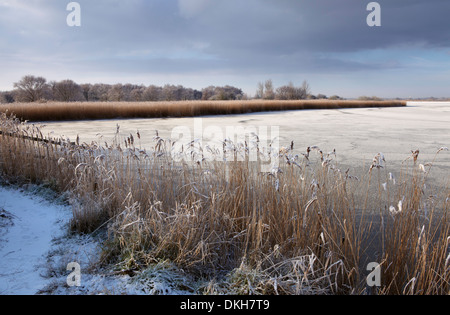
[(35, 249), (25, 242)]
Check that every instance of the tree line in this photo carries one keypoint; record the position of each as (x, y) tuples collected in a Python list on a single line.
[(35, 89)]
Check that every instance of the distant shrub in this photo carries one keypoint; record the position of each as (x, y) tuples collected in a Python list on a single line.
[(369, 98)]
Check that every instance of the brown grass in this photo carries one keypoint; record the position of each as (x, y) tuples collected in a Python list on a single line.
[(309, 228), (55, 111)]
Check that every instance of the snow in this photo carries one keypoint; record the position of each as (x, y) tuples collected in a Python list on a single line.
[(36, 247), (26, 240)]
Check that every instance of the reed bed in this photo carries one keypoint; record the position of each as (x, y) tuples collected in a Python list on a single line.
[(60, 111), (305, 227)]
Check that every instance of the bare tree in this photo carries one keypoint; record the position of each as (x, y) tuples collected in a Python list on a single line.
[(126, 90), (116, 93), (85, 90), (198, 95), (6, 97), (152, 93), (286, 92), (221, 93), (67, 91), (31, 88), (136, 95), (290, 92), (232, 93), (169, 92), (305, 90), (99, 92), (260, 90), (269, 93), (208, 93), (187, 94)]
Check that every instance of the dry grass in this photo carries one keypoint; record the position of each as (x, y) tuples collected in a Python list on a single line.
[(305, 228), (55, 111)]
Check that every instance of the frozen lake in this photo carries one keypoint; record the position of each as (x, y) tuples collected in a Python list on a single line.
[(356, 134)]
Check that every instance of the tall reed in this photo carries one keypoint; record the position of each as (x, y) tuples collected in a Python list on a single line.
[(55, 111), (305, 227)]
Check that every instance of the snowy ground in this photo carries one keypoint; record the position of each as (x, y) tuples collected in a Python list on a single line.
[(30, 223), (35, 249)]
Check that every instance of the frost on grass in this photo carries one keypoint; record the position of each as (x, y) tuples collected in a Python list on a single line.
[(98, 278), (164, 215), (302, 275)]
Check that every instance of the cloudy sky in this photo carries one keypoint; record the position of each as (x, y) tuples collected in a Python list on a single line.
[(198, 43)]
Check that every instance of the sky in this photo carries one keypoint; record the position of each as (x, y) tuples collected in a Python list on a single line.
[(197, 43)]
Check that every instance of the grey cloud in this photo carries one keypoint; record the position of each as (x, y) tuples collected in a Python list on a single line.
[(325, 25), (230, 36), (233, 28)]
